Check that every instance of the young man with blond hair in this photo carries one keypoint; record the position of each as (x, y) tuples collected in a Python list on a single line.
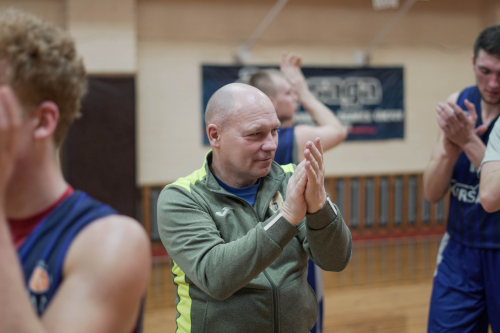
[(68, 263)]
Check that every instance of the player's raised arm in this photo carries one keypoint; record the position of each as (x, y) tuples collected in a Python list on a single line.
[(330, 130)]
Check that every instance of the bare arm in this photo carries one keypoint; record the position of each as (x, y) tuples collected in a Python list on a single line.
[(16, 312), (437, 174), (489, 185), (14, 305), (330, 130), (107, 271)]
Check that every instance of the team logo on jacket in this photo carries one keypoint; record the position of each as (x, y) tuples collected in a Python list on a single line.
[(39, 281), (276, 202), (224, 211)]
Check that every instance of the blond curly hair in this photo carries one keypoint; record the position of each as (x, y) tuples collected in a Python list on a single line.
[(41, 64)]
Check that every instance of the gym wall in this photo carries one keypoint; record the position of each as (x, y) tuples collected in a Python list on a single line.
[(164, 42)]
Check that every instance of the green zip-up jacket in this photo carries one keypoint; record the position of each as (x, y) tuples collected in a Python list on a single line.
[(241, 268)]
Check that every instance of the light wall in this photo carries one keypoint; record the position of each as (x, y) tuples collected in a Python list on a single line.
[(432, 42), (165, 42), (50, 10)]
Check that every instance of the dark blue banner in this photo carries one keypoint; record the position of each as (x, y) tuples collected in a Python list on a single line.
[(370, 101)]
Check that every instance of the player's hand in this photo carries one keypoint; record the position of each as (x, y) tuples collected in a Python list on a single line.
[(10, 122), (457, 126), (451, 150), (315, 193), (294, 208), (290, 66)]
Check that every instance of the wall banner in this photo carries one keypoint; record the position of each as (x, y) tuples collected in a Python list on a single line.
[(369, 100)]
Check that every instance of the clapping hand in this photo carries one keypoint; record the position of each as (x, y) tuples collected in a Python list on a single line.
[(305, 192), (290, 66), (294, 208), (457, 126), (315, 194)]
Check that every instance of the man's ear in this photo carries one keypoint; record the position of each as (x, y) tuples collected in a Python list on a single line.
[(213, 133), (47, 114)]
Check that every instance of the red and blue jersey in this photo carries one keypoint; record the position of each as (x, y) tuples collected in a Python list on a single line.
[(468, 222), (43, 240), (44, 249)]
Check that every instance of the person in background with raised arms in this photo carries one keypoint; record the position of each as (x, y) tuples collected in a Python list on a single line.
[(68, 263), (240, 229), (285, 88), (466, 288)]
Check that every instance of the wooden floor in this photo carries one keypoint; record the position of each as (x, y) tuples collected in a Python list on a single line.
[(386, 288)]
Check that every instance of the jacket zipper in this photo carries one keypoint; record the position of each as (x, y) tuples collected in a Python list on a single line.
[(275, 304), (273, 286)]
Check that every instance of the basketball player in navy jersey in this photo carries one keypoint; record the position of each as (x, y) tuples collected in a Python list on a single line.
[(466, 289), (67, 262), (285, 88)]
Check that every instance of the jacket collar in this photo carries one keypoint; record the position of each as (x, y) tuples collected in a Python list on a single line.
[(269, 184), (275, 174)]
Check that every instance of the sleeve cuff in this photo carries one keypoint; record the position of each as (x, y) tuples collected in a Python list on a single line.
[(323, 217), (280, 230)]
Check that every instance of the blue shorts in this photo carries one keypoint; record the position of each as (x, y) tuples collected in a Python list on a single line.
[(314, 280), (466, 290)]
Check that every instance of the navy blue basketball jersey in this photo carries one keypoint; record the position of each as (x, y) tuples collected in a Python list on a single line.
[(468, 222), (43, 252), (285, 153)]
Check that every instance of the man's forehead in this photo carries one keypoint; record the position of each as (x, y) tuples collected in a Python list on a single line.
[(485, 58), (263, 124), (259, 122)]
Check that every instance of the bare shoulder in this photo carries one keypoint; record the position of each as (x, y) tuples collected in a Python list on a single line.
[(114, 243), (105, 276), (453, 97)]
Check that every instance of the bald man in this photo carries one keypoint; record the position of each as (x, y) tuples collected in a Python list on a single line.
[(239, 230)]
